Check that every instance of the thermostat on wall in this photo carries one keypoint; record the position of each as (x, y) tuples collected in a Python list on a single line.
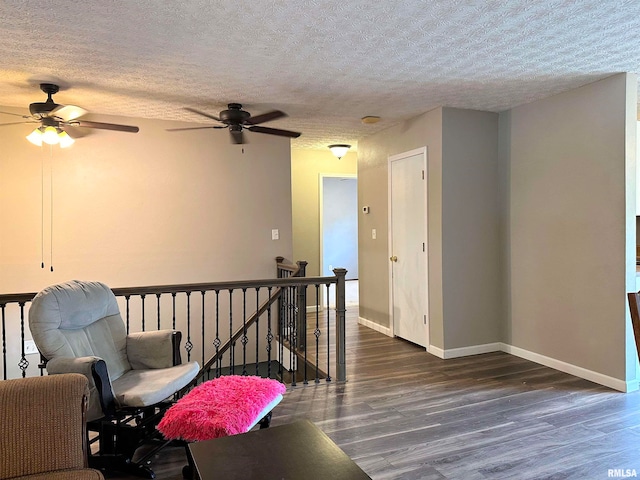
[(365, 210)]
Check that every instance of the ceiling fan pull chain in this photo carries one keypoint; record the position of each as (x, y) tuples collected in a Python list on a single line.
[(51, 203), (41, 209)]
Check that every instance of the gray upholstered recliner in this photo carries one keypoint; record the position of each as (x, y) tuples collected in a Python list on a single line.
[(77, 328)]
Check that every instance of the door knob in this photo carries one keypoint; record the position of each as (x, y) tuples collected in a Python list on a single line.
[(393, 259)]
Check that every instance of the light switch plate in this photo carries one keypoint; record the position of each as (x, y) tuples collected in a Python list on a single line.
[(275, 234), (374, 234)]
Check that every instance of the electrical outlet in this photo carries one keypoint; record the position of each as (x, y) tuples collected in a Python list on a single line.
[(30, 347)]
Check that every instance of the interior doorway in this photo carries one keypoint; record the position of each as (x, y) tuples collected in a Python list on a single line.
[(339, 224)]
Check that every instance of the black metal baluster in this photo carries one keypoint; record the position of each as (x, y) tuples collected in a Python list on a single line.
[(173, 302), (142, 297), (203, 307), (244, 338), (257, 331), (294, 335), (188, 345), (317, 332), (127, 297), (269, 336), (216, 341), (4, 343), (328, 336), (281, 322), (232, 350), (303, 311), (23, 363), (158, 308)]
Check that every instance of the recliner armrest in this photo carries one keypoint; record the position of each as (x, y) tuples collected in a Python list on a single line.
[(101, 400), (157, 349)]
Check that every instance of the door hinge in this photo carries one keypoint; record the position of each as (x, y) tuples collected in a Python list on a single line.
[(423, 246), (425, 319), (423, 174)]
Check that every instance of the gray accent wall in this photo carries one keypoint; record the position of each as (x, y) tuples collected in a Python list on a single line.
[(531, 228), (471, 244), (570, 224)]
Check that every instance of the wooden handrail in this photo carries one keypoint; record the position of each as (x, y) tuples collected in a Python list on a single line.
[(191, 287)]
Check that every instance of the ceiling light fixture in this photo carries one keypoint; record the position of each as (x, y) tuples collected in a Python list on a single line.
[(339, 149), (370, 119), (50, 135)]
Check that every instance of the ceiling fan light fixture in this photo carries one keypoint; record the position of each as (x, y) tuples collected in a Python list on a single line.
[(50, 136), (65, 140), (339, 149), (35, 137)]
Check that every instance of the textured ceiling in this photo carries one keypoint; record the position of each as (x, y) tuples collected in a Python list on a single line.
[(327, 63)]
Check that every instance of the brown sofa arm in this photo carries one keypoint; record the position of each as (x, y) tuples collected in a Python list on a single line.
[(155, 349), (43, 426)]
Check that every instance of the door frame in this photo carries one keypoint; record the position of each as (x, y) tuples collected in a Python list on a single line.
[(392, 158), (321, 178)]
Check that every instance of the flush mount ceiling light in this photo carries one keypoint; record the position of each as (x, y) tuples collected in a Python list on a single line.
[(370, 119), (339, 149)]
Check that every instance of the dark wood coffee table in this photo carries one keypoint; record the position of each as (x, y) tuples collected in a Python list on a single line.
[(299, 450)]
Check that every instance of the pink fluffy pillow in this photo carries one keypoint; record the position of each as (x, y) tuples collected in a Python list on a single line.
[(224, 406)]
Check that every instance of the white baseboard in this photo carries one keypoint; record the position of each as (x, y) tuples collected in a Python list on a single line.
[(599, 378), (375, 326), (464, 351), (433, 350)]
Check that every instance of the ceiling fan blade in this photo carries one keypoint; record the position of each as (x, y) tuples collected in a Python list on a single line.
[(104, 126), (265, 117), (275, 131), (15, 114), (14, 123), (192, 128), (212, 117), (67, 112), (237, 137)]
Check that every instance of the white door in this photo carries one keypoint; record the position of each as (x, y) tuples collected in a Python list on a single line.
[(408, 245)]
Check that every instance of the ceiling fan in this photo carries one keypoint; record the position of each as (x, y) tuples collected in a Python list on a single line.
[(237, 120), (53, 119)]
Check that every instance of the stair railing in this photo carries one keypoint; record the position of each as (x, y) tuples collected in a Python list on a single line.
[(277, 327)]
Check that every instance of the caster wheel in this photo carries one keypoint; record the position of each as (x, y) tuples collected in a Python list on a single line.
[(187, 472)]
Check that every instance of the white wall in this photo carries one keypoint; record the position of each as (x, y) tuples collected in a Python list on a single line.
[(571, 225)]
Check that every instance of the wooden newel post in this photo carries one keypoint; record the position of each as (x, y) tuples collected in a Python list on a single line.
[(279, 260), (341, 309)]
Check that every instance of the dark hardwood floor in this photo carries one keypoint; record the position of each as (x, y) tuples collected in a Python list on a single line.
[(405, 414)]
